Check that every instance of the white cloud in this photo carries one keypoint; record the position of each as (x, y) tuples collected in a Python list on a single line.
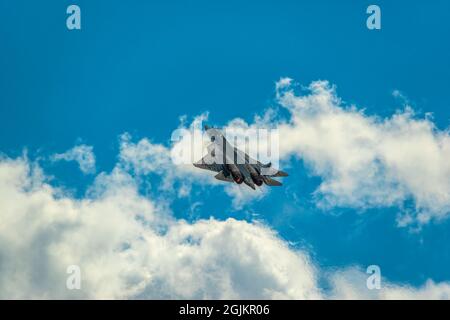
[(365, 161), (82, 154), (242, 195), (127, 246), (130, 246), (350, 284)]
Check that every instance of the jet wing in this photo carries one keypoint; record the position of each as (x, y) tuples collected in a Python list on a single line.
[(207, 163), (271, 182)]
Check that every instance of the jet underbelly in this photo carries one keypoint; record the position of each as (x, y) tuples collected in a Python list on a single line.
[(243, 170)]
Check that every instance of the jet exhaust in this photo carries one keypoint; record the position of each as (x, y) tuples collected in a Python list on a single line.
[(256, 177), (236, 173)]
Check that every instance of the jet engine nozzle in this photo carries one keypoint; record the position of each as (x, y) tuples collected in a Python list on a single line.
[(236, 173), (256, 177)]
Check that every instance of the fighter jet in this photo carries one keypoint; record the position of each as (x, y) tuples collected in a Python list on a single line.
[(233, 165)]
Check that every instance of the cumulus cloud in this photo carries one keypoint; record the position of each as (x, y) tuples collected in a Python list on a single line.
[(366, 161), (363, 161), (128, 247), (350, 284), (82, 154), (131, 246)]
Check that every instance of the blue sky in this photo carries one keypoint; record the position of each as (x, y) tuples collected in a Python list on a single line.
[(138, 66)]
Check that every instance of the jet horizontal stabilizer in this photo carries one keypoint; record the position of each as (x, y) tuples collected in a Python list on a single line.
[(220, 176), (271, 182), (281, 174)]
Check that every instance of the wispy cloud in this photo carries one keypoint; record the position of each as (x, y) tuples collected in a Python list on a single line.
[(82, 154), (145, 158), (366, 161)]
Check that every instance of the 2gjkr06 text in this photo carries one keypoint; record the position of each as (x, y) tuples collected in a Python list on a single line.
[(233, 310)]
